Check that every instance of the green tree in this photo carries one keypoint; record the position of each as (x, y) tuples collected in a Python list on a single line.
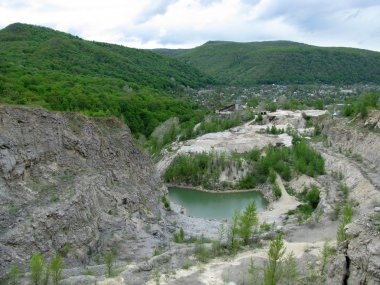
[(290, 272), (15, 275), (326, 254), (248, 220), (56, 266), (313, 196), (36, 266), (181, 234), (45, 279), (234, 231), (273, 268), (108, 259)]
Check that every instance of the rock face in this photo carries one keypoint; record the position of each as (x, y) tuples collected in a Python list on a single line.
[(358, 259), (354, 141), (73, 185)]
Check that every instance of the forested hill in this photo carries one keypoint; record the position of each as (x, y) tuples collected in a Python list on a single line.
[(281, 62), (41, 66)]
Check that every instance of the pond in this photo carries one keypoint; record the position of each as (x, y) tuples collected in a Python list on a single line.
[(214, 205)]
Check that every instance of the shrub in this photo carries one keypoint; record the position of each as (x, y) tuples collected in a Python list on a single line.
[(166, 203), (180, 236), (345, 219), (201, 252), (276, 191), (271, 107), (313, 197)]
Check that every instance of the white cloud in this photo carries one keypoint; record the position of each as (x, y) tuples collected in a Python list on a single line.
[(186, 23)]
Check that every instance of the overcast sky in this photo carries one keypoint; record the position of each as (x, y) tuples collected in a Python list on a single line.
[(188, 23)]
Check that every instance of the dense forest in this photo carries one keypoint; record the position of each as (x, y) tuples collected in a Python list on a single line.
[(281, 62), (59, 71), (41, 66)]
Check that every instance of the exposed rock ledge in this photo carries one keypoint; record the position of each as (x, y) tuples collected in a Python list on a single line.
[(75, 185), (358, 259)]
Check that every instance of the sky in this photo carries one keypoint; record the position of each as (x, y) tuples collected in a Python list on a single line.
[(189, 23)]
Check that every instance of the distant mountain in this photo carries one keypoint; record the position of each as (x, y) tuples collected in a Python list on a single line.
[(281, 62), (59, 71), (32, 47)]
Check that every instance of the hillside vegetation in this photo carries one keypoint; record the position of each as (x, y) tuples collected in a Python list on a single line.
[(281, 62), (40, 66), (204, 169)]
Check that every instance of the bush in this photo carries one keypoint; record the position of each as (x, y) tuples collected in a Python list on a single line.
[(313, 197), (180, 236), (166, 203), (271, 107), (276, 191), (345, 219), (202, 253), (307, 160)]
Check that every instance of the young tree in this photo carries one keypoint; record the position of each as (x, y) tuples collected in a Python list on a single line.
[(234, 231), (36, 265), (56, 266), (14, 275), (108, 259), (290, 273), (45, 279), (326, 253), (181, 234), (247, 221), (345, 219), (273, 270)]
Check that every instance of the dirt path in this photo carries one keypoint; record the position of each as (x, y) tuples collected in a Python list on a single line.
[(279, 207)]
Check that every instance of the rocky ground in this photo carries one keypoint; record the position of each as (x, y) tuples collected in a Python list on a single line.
[(351, 159), (104, 205)]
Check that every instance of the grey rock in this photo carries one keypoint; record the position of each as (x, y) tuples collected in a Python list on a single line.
[(358, 259), (73, 185)]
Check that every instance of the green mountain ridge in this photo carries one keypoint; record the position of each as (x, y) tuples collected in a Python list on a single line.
[(281, 62), (59, 71)]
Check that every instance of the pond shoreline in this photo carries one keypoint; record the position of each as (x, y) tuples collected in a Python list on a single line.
[(206, 205), (260, 189), (201, 189)]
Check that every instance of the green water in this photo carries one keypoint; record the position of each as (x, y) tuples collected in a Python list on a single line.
[(214, 205)]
